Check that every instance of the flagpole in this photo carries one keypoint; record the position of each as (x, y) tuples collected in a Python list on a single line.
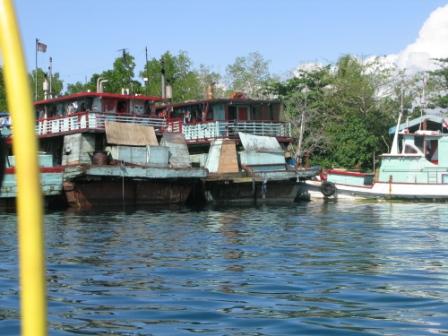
[(35, 73), (50, 75)]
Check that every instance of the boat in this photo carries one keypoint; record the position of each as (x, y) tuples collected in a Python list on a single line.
[(256, 174), (112, 145), (416, 168), (109, 147), (51, 174)]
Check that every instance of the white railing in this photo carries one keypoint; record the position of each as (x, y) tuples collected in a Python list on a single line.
[(219, 129), (96, 121), (192, 132)]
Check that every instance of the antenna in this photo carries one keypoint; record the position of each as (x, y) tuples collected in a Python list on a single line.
[(147, 71), (123, 50)]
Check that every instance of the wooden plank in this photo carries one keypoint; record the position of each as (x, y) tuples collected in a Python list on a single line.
[(130, 134), (228, 161)]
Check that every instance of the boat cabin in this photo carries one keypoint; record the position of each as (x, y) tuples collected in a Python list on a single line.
[(230, 109), (208, 119), (108, 103)]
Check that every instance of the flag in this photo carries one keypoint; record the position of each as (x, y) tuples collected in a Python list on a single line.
[(41, 47)]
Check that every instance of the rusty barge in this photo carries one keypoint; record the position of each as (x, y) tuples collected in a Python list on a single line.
[(119, 149)]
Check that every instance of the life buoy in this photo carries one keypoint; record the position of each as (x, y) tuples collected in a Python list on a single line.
[(327, 188)]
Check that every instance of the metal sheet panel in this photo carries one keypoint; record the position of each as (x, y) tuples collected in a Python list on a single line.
[(179, 155), (212, 163), (146, 172), (148, 155), (256, 158), (130, 134), (259, 143), (45, 160)]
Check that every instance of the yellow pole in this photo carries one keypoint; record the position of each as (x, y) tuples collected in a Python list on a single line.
[(29, 201)]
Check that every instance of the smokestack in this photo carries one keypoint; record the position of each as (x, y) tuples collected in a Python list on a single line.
[(99, 84), (46, 87), (168, 92), (211, 91)]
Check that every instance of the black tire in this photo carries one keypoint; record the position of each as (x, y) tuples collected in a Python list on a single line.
[(327, 188)]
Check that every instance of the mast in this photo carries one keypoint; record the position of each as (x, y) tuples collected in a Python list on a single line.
[(302, 122), (394, 148), (50, 77)]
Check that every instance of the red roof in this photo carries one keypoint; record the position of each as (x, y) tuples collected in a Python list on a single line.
[(81, 95)]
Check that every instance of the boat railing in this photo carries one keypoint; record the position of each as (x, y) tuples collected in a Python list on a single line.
[(219, 129), (96, 121), (193, 132)]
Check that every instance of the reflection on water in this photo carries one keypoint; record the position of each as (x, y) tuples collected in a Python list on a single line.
[(312, 269)]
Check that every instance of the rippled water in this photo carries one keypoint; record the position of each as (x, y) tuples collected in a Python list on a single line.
[(311, 269)]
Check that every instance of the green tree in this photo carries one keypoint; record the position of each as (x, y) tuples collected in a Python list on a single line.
[(121, 76), (348, 111), (206, 78), (178, 73), (439, 83), (248, 74), (56, 83)]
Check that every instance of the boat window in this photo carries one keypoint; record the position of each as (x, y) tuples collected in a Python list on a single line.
[(418, 141), (138, 108), (96, 104), (231, 113), (109, 105), (122, 106), (409, 150), (218, 112), (431, 152), (60, 109)]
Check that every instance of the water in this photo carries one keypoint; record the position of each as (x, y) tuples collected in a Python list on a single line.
[(311, 269)]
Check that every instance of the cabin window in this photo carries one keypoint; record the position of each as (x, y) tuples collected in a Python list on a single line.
[(138, 108), (231, 113), (122, 106), (218, 112), (253, 113), (419, 142), (96, 104), (431, 153), (109, 106), (59, 109), (409, 150)]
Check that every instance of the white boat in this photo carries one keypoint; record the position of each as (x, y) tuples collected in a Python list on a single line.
[(416, 170)]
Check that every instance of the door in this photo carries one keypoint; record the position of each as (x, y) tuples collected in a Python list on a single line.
[(242, 113)]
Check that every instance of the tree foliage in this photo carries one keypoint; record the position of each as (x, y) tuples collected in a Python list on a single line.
[(178, 73), (208, 77), (439, 79), (248, 74), (57, 84), (346, 116)]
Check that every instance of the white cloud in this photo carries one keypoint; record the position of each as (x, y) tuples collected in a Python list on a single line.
[(430, 43)]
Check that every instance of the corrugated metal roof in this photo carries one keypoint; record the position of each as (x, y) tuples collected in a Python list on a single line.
[(416, 122)]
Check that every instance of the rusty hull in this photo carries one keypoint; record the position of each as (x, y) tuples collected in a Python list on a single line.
[(86, 194)]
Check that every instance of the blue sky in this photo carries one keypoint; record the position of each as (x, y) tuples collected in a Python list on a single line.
[(84, 36)]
